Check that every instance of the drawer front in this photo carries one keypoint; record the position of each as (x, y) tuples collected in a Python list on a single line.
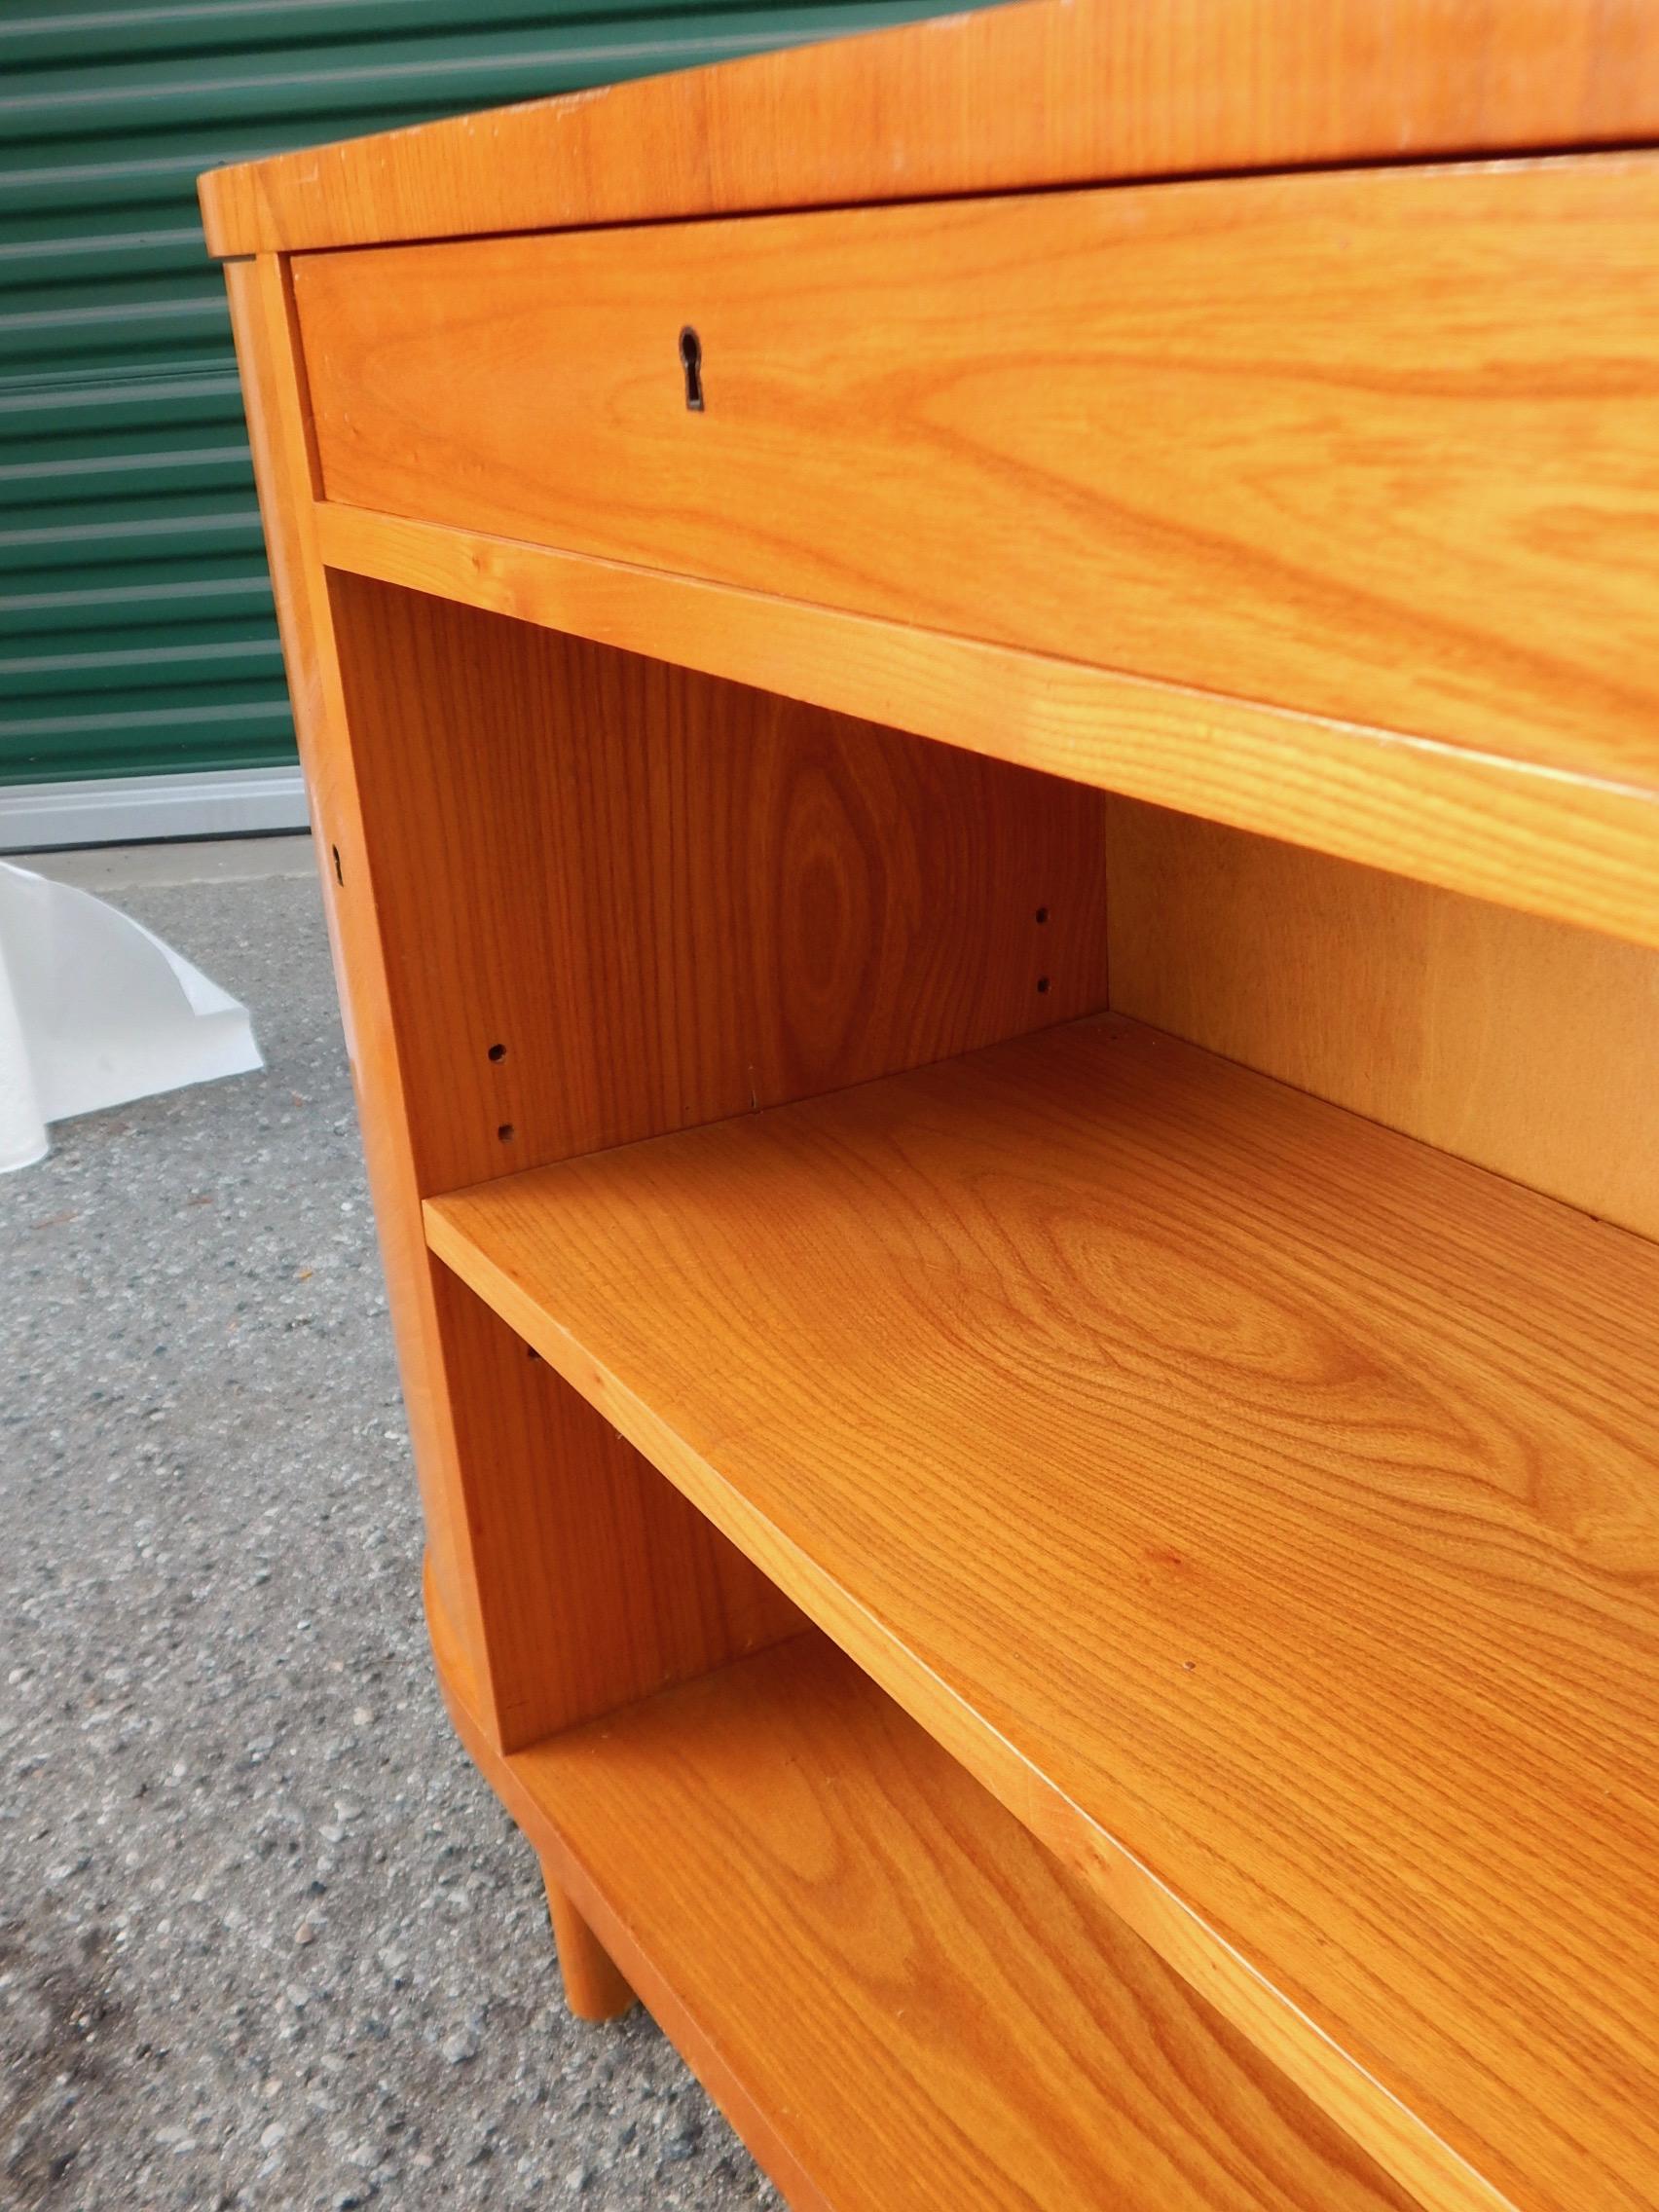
[(1382, 445)]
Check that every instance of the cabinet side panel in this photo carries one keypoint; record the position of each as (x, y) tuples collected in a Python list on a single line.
[(1523, 1045), (272, 386), (624, 898), (498, 1459), (599, 1582)]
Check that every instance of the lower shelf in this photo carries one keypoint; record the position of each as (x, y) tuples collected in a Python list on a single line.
[(898, 1997), (1260, 1503)]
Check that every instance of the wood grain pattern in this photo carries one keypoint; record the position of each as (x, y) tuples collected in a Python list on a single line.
[(1003, 99), (1513, 1042), (847, 1933), (1387, 428), (1261, 1504), (598, 1582), (501, 1529), (278, 430), (622, 899), (665, 898), (1585, 852)]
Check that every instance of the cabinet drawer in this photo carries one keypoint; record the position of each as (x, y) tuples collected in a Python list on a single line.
[(1379, 443)]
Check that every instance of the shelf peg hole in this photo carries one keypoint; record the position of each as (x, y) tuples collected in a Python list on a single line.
[(498, 1051), (505, 1132), (1042, 982), (1042, 914), (691, 361)]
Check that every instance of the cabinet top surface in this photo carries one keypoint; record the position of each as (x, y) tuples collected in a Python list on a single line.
[(1052, 93)]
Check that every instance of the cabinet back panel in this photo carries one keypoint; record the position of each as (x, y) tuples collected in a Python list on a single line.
[(598, 1581), (1522, 1044), (625, 899)]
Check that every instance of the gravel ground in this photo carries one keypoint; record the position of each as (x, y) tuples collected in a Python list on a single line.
[(266, 1938)]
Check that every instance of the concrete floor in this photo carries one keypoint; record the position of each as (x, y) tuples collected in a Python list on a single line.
[(111, 869), (266, 1938)]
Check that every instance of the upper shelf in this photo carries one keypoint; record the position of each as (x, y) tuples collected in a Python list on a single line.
[(1261, 1504), (1066, 91), (1578, 848)]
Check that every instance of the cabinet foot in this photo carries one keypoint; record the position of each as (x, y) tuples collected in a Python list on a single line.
[(594, 1989)]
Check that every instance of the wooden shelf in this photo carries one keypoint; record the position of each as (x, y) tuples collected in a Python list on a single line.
[(1262, 1504), (1472, 820), (849, 1934)]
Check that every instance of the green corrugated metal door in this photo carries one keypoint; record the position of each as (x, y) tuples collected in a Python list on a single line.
[(136, 634)]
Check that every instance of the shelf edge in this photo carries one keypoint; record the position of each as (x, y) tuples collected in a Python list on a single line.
[(1398, 2139), (1479, 823)]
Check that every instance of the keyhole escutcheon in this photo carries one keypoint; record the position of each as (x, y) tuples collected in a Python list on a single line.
[(691, 361)]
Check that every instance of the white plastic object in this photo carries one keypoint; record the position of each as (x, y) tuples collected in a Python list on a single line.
[(96, 1011)]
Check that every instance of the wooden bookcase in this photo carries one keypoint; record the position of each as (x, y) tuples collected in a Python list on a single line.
[(1004, 985)]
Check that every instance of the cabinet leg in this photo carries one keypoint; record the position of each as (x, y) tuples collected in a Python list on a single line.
[(594, 1990)]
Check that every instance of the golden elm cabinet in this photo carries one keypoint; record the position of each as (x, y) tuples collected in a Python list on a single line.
[(982, 712)]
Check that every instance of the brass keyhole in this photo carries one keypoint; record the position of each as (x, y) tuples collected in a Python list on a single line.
[(691, 361)]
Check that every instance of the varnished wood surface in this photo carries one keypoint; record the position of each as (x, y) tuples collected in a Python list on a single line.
[(629, 899), (1587, 852), (622, 899), (278, 430), (993, 102), (543, 1576), (594, 1988), (1387, 429), (1261, 1504), (1520, 1044), (845, 1927), (598, 1583)]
